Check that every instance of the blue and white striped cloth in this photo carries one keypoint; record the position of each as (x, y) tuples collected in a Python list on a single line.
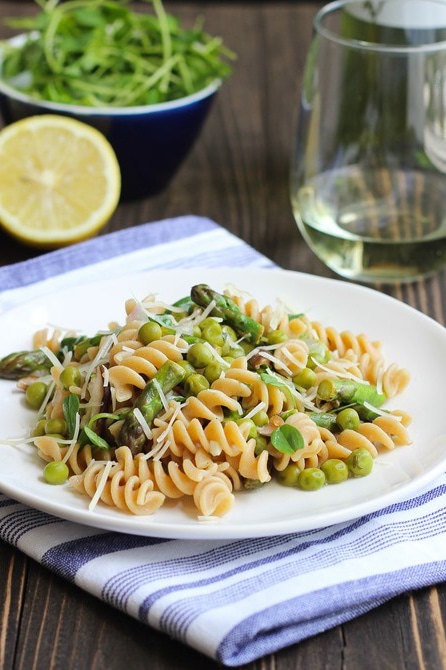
[(234, 601)]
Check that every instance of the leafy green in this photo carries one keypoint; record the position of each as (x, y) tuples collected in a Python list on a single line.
[(102, 53), (70, 407), (94, 439), (287, 439), (88, 435)]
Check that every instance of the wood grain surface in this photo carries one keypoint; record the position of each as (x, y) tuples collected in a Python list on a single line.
[(237, 174)]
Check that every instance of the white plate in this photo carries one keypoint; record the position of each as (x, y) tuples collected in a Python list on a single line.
[(409, 338)]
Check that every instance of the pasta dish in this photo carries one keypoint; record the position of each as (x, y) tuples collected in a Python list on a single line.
[(205, 398)]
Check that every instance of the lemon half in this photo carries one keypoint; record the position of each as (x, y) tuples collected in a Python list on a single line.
[(59, 180)]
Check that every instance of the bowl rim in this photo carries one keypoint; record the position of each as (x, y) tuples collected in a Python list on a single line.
[(84, 110)]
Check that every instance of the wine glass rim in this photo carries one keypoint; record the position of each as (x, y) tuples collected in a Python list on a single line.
[(364, 45)]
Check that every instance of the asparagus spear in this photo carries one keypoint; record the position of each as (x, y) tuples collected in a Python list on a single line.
[(150, 404), (324, 419), (348, 390), (226, 309), (23, 363)]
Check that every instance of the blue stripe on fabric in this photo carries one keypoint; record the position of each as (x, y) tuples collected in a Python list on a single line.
[(299, 618), (15, 525), (101, 248), (6, 502), (177, 617), (67, 558), (120, 587)]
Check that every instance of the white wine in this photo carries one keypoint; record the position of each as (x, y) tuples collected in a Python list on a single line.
[(375, 225)]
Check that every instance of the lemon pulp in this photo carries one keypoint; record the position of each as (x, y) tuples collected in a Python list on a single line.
[(59, 180)]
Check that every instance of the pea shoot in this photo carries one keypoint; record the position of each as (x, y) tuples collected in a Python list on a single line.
[(95, 53)]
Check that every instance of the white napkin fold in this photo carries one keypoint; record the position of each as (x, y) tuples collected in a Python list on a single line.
[(234, 601)]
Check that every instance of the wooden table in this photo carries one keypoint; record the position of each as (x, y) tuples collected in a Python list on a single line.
[(237, 175)]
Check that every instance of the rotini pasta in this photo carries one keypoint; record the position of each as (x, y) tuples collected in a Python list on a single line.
[(200, 400)]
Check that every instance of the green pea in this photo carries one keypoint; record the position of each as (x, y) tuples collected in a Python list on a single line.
[(360, 462), (246, 346), (348, 418), (35, 394), (212, 334), (229, 333), (311, 479), (58, 426), (196, 331), (252, 484), (306, 378), (70, 376), (149, 332), (236, 352), (199, 355), (39, 428), (318, 353), (56, 472), (335, 471), (252, 427), (188, 369), (261, 418), (213, 371), (289, 476), (195, 383), (229, 342), (261, 444), (276, 337), (209, 321)]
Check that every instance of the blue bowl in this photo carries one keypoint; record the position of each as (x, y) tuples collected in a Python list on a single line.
[(150, 141)]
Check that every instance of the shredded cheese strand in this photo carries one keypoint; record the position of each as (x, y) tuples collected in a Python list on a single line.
[(255, 410), (101, 485), (52, 357), (143, 423)]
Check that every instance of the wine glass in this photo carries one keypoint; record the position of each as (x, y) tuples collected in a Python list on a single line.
[(368, 174)]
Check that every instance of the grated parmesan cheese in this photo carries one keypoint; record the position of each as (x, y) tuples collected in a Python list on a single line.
[(101, 485), (161, 393), (105, 375), (255, 410), (276, 362), (143, 423), (52, 357), (46, 399), (102, 352), (162, 436), (342, 375)]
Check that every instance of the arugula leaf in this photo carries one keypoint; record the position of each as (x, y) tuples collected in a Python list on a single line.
[(287, 439), (70, 407)]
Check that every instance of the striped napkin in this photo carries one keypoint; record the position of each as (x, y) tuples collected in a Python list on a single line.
[(234, 601)]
